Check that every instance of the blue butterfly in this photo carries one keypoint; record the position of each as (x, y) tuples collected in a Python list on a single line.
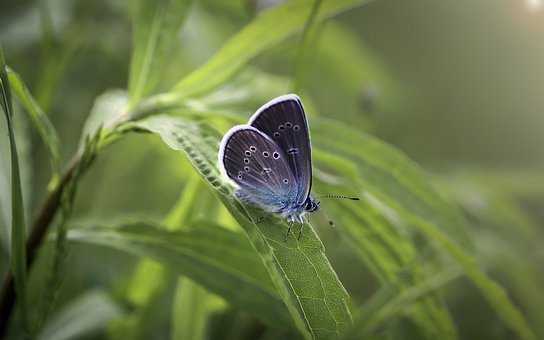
[(270, 159)]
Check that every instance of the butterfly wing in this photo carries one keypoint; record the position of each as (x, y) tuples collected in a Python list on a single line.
[(284, 121), (259, 167)]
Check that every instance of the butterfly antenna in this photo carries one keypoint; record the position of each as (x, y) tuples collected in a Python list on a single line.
[(353, 198)]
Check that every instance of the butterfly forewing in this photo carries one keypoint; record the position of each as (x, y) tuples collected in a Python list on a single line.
[(259, 167), (284, 121)]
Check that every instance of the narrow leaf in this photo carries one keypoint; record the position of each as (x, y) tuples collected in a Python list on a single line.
[(398, 184), (155, 27), (300, 271), (18, 227), (84, 316), (190, 311), (219, 260), (262, 33), (40, 120)]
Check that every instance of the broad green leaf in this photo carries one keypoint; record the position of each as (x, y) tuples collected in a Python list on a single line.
[(39, 118), (262, 33), (398, 183), (18, 226), (299, 269), (82, 317), (219, 260), (155, 24)]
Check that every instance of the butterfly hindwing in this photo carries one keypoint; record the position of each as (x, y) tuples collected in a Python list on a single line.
[(284, 121), (259, 167)]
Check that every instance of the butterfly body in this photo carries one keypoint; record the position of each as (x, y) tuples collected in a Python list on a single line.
[(269, 159)]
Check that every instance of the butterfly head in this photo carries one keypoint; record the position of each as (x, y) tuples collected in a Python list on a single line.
[(311, 205)]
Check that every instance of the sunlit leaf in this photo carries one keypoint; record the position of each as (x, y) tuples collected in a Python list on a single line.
[(155, 26), (262, 33)]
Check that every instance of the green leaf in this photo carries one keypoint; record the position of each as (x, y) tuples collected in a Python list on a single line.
[(190, 311), (219, 260), (40, 120), (24, 154), (391, 176), (398, 184), (300, 271), (84, 316), (262, 33), (393, 258), (155, 27), (18, 226), (109, 110), (386, 304)]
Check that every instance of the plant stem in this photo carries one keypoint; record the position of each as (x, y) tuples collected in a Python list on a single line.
[(39, 230)]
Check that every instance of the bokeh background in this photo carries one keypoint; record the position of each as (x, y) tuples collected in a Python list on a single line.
[(456, 85)]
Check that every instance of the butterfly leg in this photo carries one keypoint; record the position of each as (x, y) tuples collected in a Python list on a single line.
[(301, 221), (288, 231)]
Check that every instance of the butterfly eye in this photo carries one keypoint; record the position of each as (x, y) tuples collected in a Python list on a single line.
[(286, 181), (296, 127), (266, 154), (246, 160), (248, 153), (288, 125), (252, 148), (276, 134), (281, 127), (276, 155)]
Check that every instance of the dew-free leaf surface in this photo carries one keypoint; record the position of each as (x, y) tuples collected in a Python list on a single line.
[(300, 271), (218, 259), (262, 33)]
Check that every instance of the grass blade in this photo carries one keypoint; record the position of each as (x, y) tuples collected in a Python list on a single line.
[(189, 314), (155, 26), (18, 226), (259, 35), (40, 120)]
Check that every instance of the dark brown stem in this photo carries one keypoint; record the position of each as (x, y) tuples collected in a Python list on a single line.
[(39, 230)]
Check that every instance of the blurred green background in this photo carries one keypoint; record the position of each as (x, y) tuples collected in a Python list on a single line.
[(456, 85)]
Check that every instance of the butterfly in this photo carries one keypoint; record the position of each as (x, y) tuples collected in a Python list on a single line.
[(270, 159)]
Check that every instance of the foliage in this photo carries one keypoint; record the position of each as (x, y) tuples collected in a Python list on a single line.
[(397, 265)]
